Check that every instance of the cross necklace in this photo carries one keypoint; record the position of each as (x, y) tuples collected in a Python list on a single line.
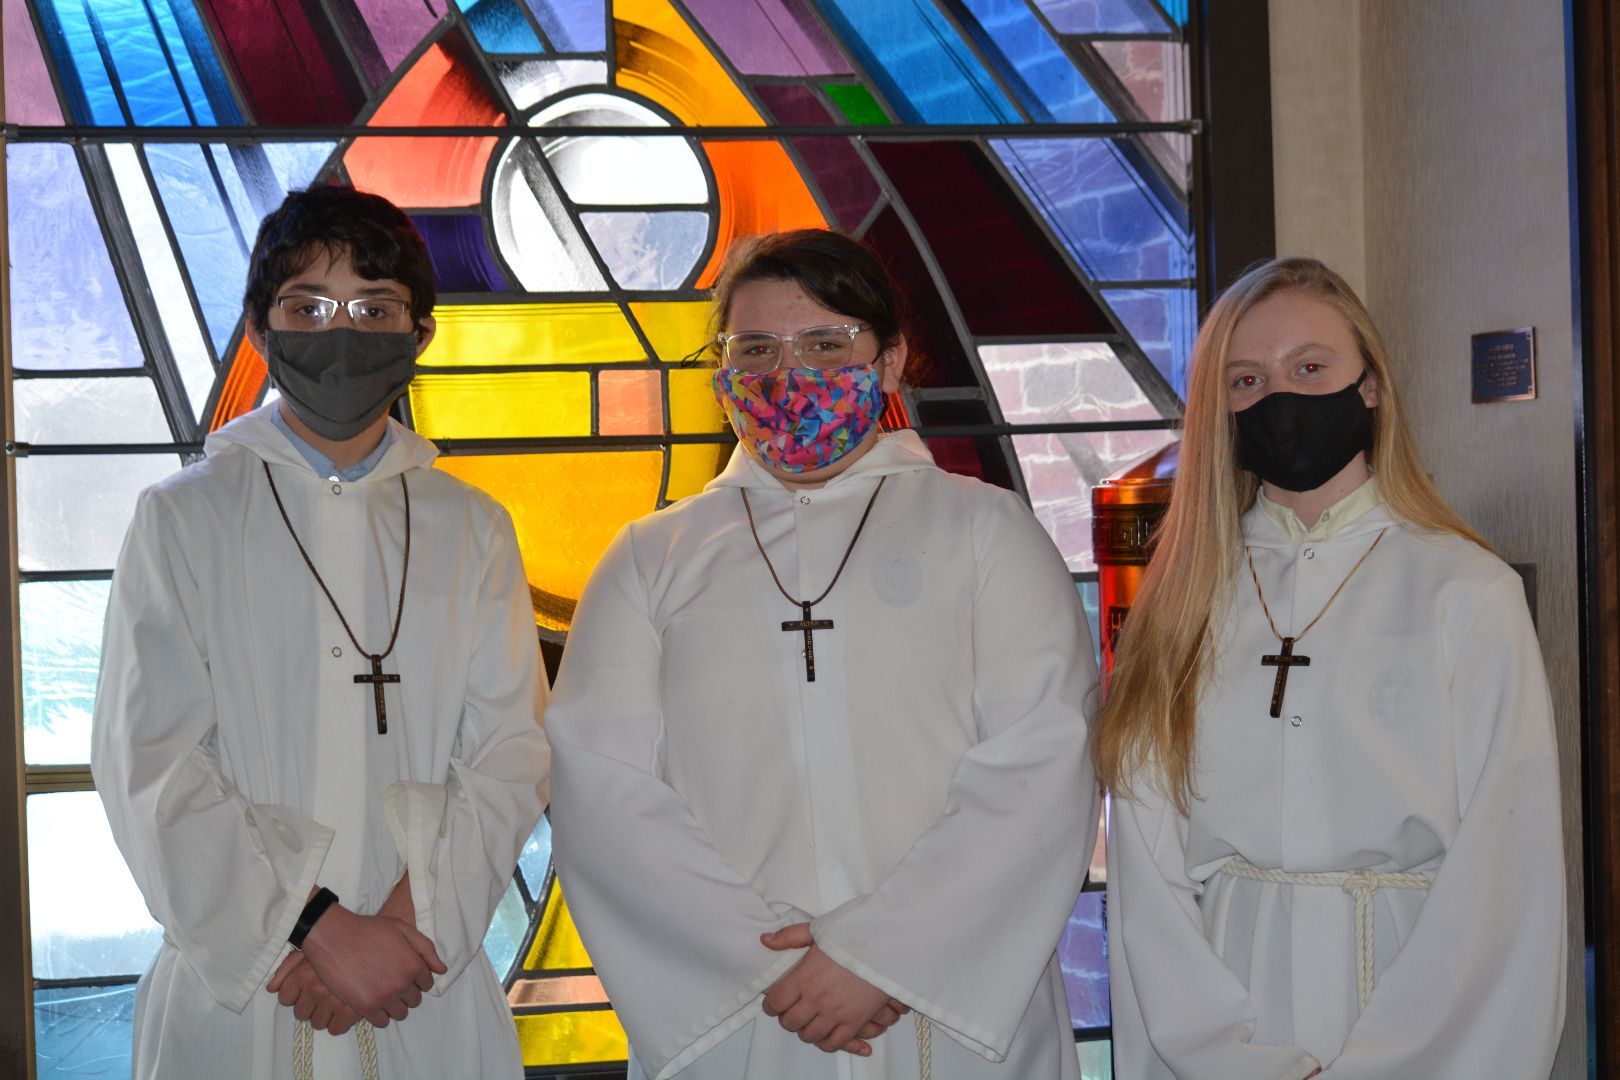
[(809, 623), (1287, 658), (375, 677)]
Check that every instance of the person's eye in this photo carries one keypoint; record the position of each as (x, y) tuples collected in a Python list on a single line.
[(760, 348), (825, 345), (1309, 368), (1245, 382), (374, 312), (308, 310)]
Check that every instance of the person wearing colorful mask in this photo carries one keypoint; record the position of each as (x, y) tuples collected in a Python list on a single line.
[(819, 730), (317, 729), (1335, 842)]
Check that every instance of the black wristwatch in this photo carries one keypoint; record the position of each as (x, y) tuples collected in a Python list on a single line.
[(318, 904)]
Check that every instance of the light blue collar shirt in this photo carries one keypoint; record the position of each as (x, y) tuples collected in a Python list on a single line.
[(323, 464)]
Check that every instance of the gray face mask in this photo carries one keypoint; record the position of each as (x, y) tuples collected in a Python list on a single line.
[(340, 381)]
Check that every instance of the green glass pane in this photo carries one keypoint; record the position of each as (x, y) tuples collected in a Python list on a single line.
[(856, 103)]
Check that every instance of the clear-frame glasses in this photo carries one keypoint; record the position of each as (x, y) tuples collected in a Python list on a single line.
[(381, 313), (816, 347)]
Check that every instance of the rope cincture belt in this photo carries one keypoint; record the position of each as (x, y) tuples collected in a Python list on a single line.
[(1363, 885), (304, 1050)]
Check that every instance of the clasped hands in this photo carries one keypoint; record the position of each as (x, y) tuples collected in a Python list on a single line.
[(823, 1002), (359, 967)]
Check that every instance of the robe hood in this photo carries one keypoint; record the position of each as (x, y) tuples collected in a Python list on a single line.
[(256, 433), (895, 452)]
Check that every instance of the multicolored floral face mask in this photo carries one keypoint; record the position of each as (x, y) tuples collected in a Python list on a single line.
[(799, 420)]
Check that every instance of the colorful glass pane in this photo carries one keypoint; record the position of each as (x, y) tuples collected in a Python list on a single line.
[(293, 68), (1154, 72), (30, 97), (931, 328), (692, 405), (527, 82), (856, 103), (693, 466), (1059, 473), (507, 929), (394, 28), (649, 250), (600, 170), (67, 306), (1083, 955), (1108, 16), (659, 56), (213, 240), (61, 626), (500, 26), (769, 37), (501, 406), (534, 230), (82, 1031), (674, 328), (759, 190), (569, 1038), (1035, 67), (841, 176), (1163, 323), (462, 260), (1063, 382), (87, 919), (503, 334), (572, 25), (630, 403)]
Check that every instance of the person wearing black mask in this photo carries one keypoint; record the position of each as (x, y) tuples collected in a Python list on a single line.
[(316, 733), (1335, 844)]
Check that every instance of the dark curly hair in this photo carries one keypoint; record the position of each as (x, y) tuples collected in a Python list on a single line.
[(336, 220)]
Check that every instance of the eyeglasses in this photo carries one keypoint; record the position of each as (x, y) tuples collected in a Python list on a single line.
[(380, 313), (818, 347)]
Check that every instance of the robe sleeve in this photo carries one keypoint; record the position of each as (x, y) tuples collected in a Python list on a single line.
[(460, 839), (1477, 989), (963, 925), (672, 927), (1176, 1005), (225, 877)]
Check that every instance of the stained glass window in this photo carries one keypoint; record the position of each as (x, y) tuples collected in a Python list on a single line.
[(578, 168)]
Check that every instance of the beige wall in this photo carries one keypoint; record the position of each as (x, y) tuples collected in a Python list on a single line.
[(1426, 154)]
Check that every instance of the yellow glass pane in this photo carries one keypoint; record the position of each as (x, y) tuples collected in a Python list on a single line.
[(675, 328), (566, 508), (519, 405), (693, 465), (487, 334), (630, 403), (572, 1038), (557, 945), (692, 407), (659, 56)]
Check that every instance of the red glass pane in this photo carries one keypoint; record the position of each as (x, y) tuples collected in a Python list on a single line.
[(846, 183), (928, 329), (1006, 276), (288, 60)]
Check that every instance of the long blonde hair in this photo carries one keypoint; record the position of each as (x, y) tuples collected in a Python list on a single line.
[(1148, 726)]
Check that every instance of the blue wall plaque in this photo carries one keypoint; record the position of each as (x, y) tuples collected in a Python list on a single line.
[(1504, 365)]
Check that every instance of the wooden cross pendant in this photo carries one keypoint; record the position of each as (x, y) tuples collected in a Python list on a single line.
[(1282, 662), (376, 679), (807, 624)]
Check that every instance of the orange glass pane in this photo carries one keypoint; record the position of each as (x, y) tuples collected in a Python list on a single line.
[(439, 89), (566, 507), (630, 403), (660, 56), (693, 465), (519, 405), (483, 334), (571, 1038), (759, 191), (692, 407), (242, 386), (674, 328)]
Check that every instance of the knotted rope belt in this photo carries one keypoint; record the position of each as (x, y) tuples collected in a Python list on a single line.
[(304, 1050), (1363, 885)]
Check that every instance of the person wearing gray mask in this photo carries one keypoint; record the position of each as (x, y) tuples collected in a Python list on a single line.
[(317, 728)]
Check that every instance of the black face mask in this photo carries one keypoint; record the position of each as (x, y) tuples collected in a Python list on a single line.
[(1300, 441)]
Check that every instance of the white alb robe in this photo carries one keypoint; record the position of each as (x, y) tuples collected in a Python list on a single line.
[(927, 801), (240, 763), (1420, 738)]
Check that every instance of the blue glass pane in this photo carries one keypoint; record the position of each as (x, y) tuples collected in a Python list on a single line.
[(920, 62), (535, 859), (203, 78), (67, 310), (297, 165), (212, 235), (1032, 64), (500, 26), (460, 252), (1091, 602), (649, 250), (80, 62), (1110, 16), (1083, 954), (84, 1032), (1163, 322), (1099, 206), (61, 657), (572, 25), (506, 930)]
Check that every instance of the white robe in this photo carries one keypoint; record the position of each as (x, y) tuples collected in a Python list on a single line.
[(927, 800), (240, 763), (1423, 742)]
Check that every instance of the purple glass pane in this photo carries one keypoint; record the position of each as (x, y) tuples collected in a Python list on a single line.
[(398, 26), (1104, 16), (67, 310), (461, 258), (841, 174), (769, 37), (1110, 219), (1163, 322), (1154, 73), (572, 25), (1083, 953), (29, 96)]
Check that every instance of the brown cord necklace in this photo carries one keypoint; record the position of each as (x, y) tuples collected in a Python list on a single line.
[(376, 677), (809, 623)]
